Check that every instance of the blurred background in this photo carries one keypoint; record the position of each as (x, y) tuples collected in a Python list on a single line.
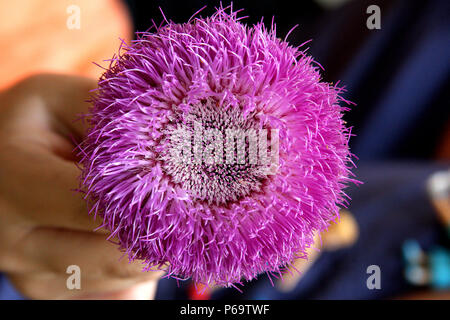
[(394, 62)]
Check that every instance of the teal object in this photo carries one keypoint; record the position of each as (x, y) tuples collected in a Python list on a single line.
[(439, 259), (412, 252)]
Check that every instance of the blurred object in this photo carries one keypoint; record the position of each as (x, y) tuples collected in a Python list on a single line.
[(438, 186), (413, 253), (341, 234), (417, 275), (199, 292), (432, 267), (440, 268), (415, 259), (35, 37)]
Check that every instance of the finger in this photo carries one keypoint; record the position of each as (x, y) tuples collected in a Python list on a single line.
[(42, 187), (54, 250), (66, 97)]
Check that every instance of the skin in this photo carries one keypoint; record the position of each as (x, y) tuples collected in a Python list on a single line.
[(44, 223)]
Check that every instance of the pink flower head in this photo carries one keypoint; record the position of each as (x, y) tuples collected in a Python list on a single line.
[(218, 222)]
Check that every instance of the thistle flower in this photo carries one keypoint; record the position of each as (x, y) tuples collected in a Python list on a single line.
[(216, 222)]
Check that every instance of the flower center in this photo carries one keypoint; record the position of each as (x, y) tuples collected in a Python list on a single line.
[(216, 154)]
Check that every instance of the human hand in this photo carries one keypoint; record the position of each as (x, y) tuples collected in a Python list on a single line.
[(44, 224)]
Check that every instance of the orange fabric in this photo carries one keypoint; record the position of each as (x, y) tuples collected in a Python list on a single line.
[(34, 37)]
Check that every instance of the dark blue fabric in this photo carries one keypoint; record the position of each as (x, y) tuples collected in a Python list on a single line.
[(420, 75)]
